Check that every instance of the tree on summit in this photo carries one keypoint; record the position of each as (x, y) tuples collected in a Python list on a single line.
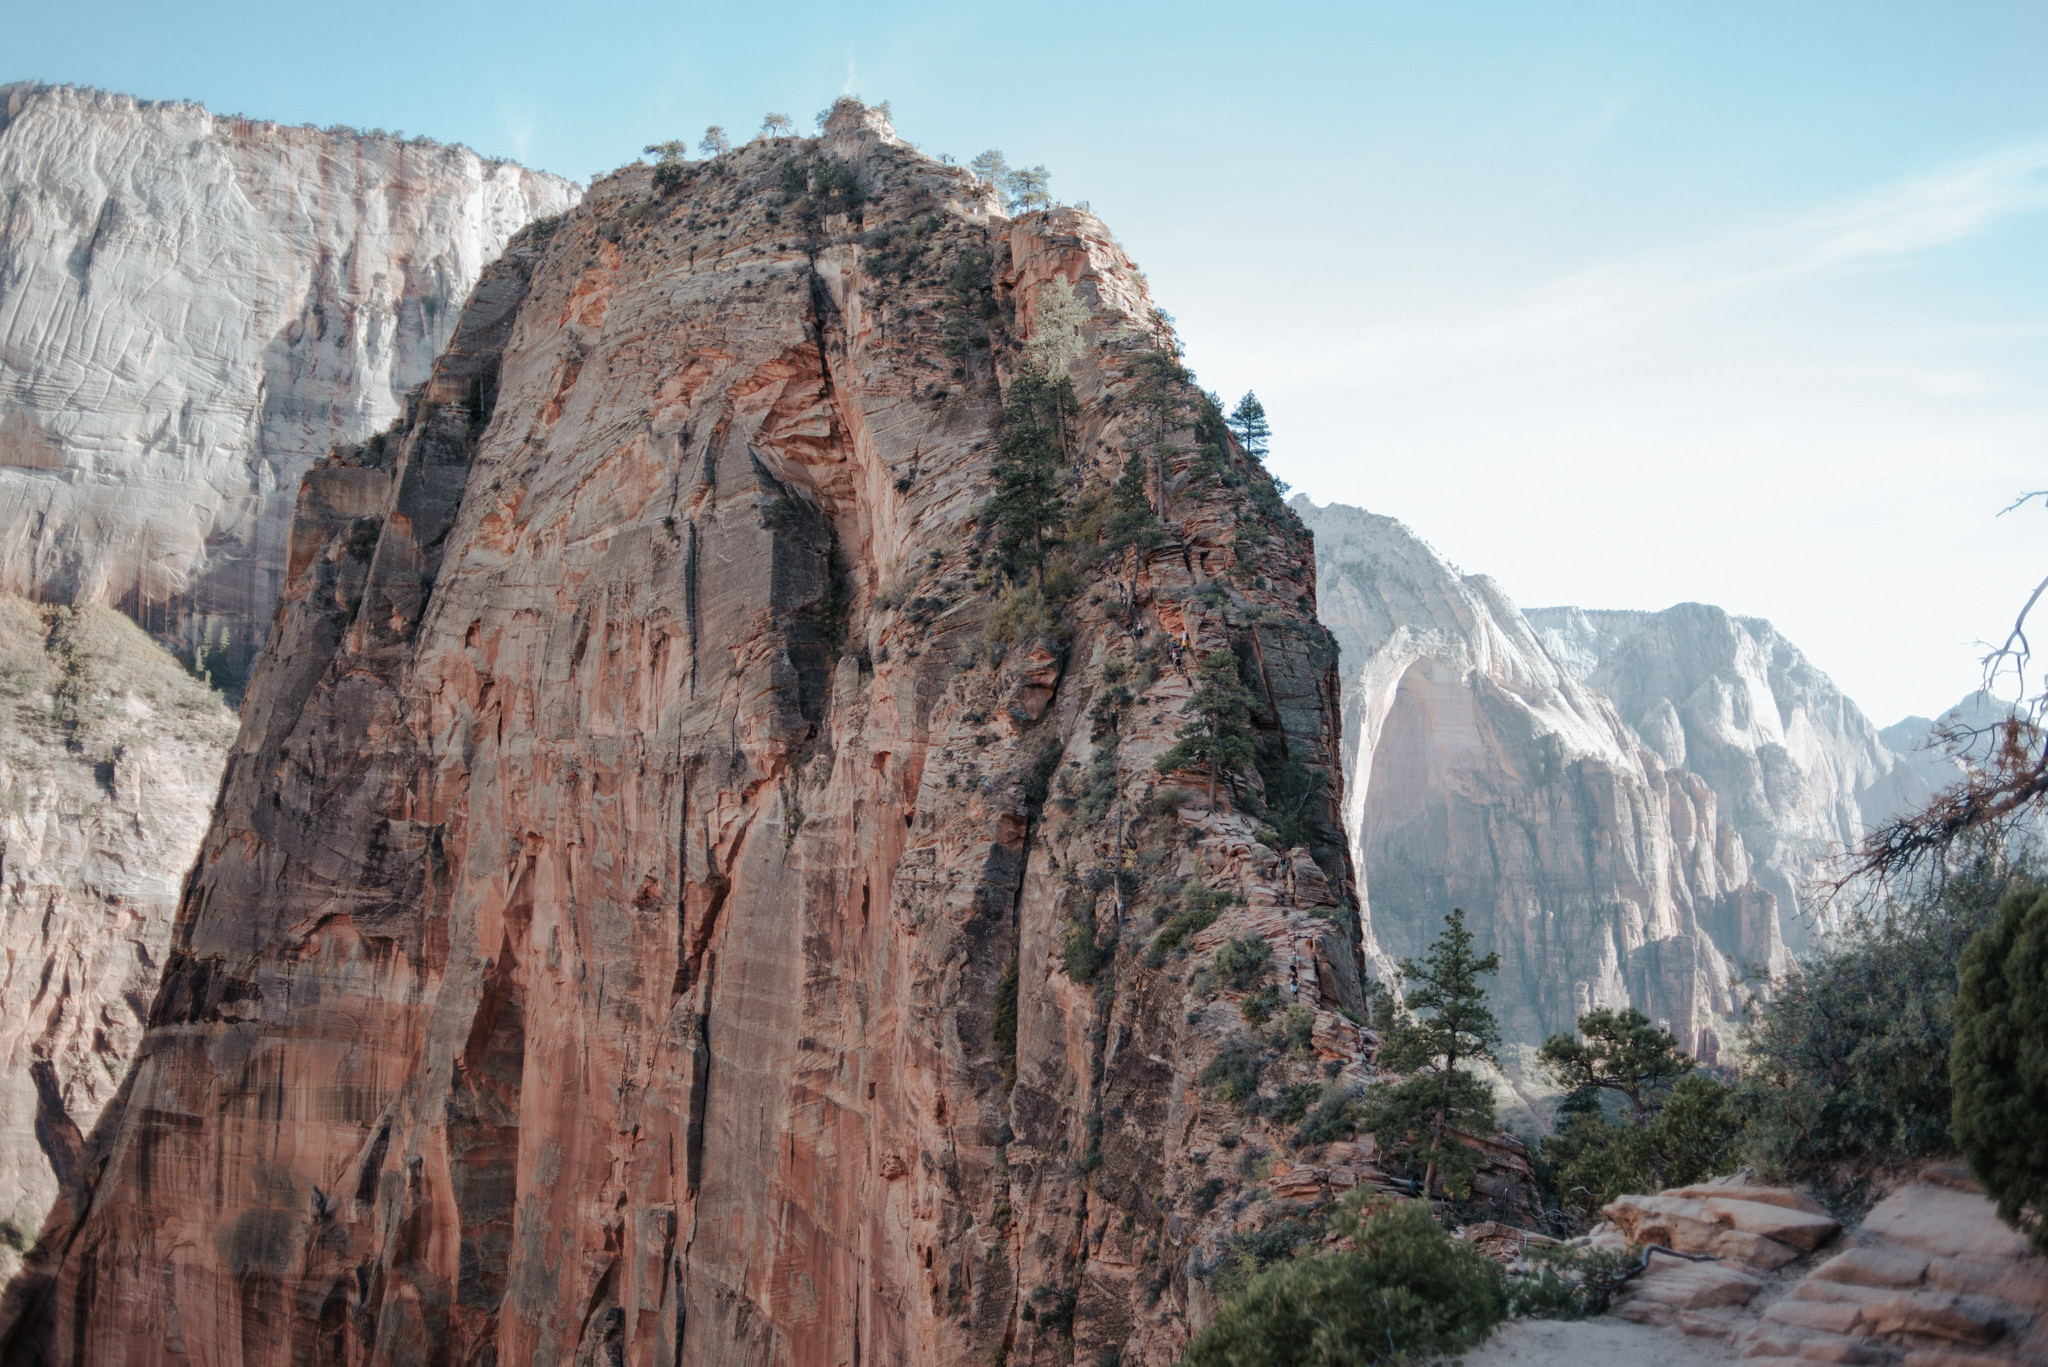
[(1219, 736), (715, 142), (777, 126)]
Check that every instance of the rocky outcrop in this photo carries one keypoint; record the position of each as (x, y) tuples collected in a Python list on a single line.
[(1483, 774), (1929, 1278), (193, 308), (110, 756), (1799, 771), (667, 904)]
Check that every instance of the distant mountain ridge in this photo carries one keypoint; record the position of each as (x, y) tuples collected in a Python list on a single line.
[(1631, 805)]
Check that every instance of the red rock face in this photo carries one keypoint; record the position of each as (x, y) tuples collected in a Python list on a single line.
[(602, 947)]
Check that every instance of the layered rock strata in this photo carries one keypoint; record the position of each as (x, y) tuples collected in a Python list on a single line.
[(667, 903), (1799, 771), (110, 756), (193, 308), (1483, 774), (1930, 1278)]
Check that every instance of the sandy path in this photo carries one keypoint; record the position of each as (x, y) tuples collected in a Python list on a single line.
[(1603, 1342)]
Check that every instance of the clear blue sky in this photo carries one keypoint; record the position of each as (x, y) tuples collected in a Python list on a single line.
[(1622, 304)]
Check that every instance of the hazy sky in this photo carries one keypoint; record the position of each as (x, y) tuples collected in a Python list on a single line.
[(1622, 304)]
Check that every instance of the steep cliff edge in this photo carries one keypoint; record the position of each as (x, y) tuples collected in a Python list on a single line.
[(1800, 771), (193, 308), (110, 757), (662, 906), (1482, 774)]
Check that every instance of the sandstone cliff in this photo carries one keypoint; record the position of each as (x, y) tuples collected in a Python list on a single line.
[(192, 309), (664, 905), (1799, 770), (1483, 774), (110, 755)]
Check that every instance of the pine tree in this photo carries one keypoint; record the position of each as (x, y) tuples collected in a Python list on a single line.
[(715, 143), (1027, 188), (1028, 504), (1248, 420), (1161, 398), (777, 126), (1418, 1114), (1219, 737), (1620, 1052), (991, 168)]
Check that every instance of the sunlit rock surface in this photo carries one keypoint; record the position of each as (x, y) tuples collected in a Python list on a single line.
[(600, 952), (1484, 774), (110, 756), (193, 308), (1800, 772)]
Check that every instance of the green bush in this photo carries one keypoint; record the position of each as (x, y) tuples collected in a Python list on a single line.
[(1565, 1283), (1850, 1060), (1999, 1062), (1200, 906), (1233, 1075), (1243, 962), (1408, 1293), (1334, 1117)]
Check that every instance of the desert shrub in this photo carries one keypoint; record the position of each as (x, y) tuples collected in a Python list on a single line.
[(1233, 1075), (1696, 1133), (1294, 1103), (1083, 954), (1243, 961), (1999, 1062), (1670, 1125), (1297, 1029), (1334, 1117), (1200, 906), (1408, 1293), (1259, 1007), (1564, 1283)]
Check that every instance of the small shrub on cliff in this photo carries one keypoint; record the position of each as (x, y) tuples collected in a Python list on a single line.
[(1200, 906), (1233, 1075), (1408, 1293), (1999, 1064), (1244, 962)]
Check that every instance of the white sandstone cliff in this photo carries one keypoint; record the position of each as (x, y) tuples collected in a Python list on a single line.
[(1799, 770), (110, 756), (1482, 774), (192, 309)]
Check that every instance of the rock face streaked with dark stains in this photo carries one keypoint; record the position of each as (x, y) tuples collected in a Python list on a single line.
[(603, 948)]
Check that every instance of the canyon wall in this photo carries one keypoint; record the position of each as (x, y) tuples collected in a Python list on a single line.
[(1799, 770), (1483, 774), (669, 902), (193, 308), (110, 756)]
